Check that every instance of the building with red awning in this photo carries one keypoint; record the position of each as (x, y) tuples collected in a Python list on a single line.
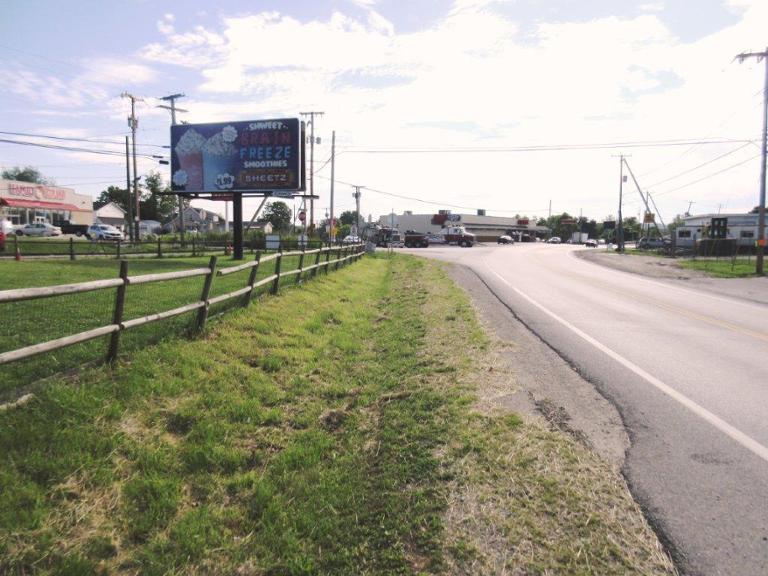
[(24, 203)]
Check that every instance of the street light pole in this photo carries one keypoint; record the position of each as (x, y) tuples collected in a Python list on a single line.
[(133, 123)]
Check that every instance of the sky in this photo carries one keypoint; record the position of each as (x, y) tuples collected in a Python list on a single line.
[(508, 106)]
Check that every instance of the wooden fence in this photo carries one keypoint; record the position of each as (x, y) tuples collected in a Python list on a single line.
[(322, 260)]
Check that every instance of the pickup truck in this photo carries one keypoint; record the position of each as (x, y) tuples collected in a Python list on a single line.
[(76, 229)]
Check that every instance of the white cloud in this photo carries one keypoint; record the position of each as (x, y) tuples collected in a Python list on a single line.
[(472, 80)]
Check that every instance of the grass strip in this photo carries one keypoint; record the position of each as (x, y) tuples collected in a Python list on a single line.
[(329, 430)]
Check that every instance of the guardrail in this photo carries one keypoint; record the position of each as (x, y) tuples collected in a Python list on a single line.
[(343, 255)]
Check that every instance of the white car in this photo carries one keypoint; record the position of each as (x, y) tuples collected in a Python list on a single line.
[(351, 239), (38, 229), (104, 232), (7, 227), (554, 240)]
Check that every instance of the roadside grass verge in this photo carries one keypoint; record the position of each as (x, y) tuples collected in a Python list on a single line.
[(329, 430), (723, 268)]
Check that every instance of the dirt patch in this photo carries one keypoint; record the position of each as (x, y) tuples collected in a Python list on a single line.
[(651, 266)]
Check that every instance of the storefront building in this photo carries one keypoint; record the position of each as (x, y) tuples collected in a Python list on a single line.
[(24, 203)]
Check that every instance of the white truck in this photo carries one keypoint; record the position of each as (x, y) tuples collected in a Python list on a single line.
[(457, 235), (579, 237)]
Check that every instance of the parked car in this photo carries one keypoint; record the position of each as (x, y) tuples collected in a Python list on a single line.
[(38, 229), (351, 239), (554, 240), (77, 229), (651, 243), (104, 232), (504, 239), (591, 243)]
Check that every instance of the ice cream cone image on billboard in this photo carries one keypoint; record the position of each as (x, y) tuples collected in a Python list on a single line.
[(189, 151), (219, 159)]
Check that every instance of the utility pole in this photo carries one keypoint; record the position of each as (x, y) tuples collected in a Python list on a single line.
[(620, 229), (761, 207), (356, 196), (133, 124), (332, 234), (172, 99), (690, 203), (128, 189), (311, 167)]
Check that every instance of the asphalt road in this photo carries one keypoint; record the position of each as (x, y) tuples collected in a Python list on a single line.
[(687, 370)]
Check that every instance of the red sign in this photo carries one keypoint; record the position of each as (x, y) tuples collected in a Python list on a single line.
[(566, 221), (522, 222), (222, 197), (302, 215)]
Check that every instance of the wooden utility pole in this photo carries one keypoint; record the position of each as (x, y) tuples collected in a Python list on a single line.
[(128, 189), (172, 99), (133, 124), (761, 207), (311, 167), (332, 233)]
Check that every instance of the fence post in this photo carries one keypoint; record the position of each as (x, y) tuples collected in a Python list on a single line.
[(117, 316), (301, 266), (328, 261), (252, 279), (194, 251), (119, 245), (317, 262), (71, 248), (338, 258), (159, 249), (16, 245), (202, 314), (278, 262)]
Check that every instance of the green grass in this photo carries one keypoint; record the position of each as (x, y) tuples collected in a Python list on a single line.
[(329, 430), (30, 322), (724, 268)]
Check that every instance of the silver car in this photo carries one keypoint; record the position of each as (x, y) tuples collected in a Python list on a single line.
[(38, 229)]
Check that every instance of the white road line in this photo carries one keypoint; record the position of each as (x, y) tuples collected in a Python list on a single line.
[(735, 434)]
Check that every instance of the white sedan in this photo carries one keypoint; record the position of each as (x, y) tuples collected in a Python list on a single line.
[(38, 229)]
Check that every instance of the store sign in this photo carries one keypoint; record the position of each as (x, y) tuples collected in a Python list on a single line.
[(258, 155), (36, 192)]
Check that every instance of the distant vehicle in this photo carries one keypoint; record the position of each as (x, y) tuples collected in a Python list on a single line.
[(351, 239), (504, 239), (578, 238), (554, 240), (38, 229), (76, 229), (104, 232), (457, 235), (415, 239), (651, 243), (384, 236), (591, 243)]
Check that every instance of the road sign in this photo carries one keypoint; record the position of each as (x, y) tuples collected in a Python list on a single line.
[(302, 215), (567, 221), (649, 218), (282, 194)]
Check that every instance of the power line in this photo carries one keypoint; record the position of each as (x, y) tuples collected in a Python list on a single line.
[(541, 148), (73, 139), (676, 176), (70, 148)]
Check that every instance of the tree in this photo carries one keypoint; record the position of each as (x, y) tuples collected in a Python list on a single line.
[(348, 217), (114, 194), (156, 206), (26, 174), (278, 214)]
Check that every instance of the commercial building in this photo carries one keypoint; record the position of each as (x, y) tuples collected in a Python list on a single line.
[(25, 203), (485, 228), (739, 227)]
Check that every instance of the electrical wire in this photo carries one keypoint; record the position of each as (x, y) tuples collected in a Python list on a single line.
[(72, 139), (73, 149), (676, 176)]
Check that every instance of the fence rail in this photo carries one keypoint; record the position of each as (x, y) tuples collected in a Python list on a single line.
[(73, 248), (118, 325)]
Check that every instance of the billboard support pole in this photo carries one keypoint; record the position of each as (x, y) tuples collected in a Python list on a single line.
[(237, 204)]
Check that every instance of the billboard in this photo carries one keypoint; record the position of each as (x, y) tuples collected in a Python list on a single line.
[(256, 155)]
